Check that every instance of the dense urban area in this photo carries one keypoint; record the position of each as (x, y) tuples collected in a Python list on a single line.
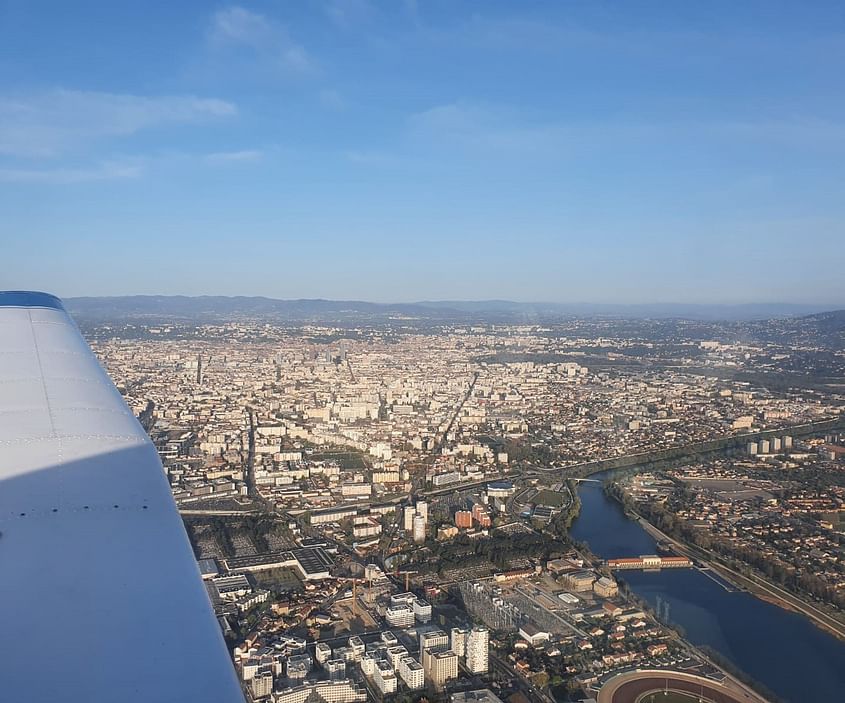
[(381, 508)]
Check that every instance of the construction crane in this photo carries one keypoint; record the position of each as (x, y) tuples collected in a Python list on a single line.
[(355, 582), (407, 577)]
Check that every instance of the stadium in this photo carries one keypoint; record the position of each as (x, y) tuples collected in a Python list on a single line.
[(672, 687)]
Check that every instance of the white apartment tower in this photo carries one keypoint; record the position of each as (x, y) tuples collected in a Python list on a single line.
[(458, 643), (477, 649), (408, 516), (419, 529)]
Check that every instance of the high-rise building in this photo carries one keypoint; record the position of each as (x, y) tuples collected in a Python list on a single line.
[(477, 648), (408, 516), (440, 666), (419, 529), (458, 641)]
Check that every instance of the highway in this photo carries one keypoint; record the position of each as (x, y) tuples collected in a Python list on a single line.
[(694, 449)]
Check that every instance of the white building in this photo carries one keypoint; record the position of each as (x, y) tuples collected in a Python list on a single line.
[(534, 635), (261, 685), (440, 666), (329, 691), (422, 610), (419, 528), (384, 678), (436, 639), (298, 666), (322, 652), (411, 672), (399, 615), (356, 644), (458, 641), (336, 669), (477, 655), (395, 654), (368, 665), (408, 517)]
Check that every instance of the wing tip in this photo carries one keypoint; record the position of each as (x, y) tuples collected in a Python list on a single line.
[(29, 299)]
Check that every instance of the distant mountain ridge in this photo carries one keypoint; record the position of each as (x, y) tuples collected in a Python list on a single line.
[(499, 310)]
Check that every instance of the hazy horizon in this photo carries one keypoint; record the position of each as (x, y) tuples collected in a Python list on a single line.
[(445, 301)]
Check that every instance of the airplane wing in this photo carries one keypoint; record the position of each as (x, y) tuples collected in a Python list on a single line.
[(100, 595)]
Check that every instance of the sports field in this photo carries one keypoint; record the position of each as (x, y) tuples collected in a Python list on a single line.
[(552, 499), (671, 687), (670, 697)]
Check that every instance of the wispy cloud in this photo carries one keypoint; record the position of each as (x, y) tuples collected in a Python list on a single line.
[(50, 123), (230, 157), (64, 176), (253, 37)]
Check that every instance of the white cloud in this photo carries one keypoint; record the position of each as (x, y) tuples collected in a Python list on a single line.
[(49, 123), (236, 30)]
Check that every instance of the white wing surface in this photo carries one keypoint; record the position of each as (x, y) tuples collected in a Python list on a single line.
[(100, 596)]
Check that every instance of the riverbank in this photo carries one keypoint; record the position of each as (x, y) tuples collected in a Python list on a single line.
[(783, 650), (758, 587)]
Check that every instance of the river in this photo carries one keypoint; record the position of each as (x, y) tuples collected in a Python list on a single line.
[(781, 649)]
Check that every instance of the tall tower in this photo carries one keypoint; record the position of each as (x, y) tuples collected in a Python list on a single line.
[(408, 518), (478, 643), (458, 641), (199, 369), (419, 529)]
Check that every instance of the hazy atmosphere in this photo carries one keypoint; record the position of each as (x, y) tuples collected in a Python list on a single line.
[(404, 151)]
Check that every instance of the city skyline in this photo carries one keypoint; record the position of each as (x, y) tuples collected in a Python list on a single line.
[(424, 151)]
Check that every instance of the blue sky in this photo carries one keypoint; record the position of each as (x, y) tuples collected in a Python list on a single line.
[(397, 151)]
